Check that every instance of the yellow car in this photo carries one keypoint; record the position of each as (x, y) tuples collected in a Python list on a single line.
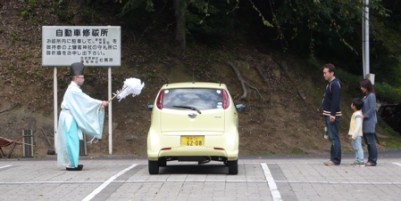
[(193, 121)]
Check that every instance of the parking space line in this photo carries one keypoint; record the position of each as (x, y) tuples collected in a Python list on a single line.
[(106, 183), (395, 163), (6, 166), (272, 184), (49, 182), (339, 182)]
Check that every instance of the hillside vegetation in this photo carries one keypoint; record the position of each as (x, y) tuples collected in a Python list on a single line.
[(283, 101)]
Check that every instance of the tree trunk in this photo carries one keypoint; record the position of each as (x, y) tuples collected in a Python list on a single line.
[(180, 7), (77, 6)]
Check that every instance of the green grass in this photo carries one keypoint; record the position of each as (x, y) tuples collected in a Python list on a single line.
[(297, 151)]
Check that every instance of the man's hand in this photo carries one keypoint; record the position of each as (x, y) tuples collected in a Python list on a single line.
[(332, 119)]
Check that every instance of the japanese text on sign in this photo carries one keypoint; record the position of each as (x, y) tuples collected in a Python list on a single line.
[(91, 45)]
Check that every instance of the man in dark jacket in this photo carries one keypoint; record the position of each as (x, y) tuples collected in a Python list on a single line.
[(332, 113)]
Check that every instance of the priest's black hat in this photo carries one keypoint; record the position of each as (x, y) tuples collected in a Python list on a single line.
[(77, 69)]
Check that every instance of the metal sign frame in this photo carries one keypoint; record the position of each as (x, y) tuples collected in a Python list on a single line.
[(91, 45)]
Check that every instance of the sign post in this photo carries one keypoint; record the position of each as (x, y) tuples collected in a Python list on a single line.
[(97, 46), (110, 114)]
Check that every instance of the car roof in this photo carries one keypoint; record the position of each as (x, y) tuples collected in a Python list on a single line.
[(194, 85)]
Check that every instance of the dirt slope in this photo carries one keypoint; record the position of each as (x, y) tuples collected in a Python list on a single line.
[(282, 115)]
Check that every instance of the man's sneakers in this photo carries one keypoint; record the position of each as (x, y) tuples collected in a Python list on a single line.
[(330, 163), (370, 164), (78, 168)]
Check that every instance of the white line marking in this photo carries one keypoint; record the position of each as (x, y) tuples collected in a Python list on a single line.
[(272, 184), (345, 182), (242, 181), (395, 163), (51, 182), (119, 181), (106, 183), (6, 166)]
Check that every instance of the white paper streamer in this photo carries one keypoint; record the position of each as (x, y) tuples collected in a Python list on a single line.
[(131, 86)]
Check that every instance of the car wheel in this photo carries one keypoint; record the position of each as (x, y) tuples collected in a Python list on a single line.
[(153, 167), (232, 167), (162, 162)]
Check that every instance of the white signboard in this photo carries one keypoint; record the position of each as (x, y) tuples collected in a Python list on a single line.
[(91, 45)]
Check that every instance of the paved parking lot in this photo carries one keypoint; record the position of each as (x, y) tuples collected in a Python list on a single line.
[(258, 179)]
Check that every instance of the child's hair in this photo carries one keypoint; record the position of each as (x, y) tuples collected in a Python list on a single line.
[(358, 103)]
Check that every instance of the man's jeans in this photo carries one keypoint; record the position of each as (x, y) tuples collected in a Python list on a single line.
[(370, 141), (357, 145), (333, 130)]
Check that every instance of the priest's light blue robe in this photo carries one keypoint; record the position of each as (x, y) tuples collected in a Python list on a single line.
[(79, 114)]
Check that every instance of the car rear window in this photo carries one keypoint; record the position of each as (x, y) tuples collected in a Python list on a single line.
[(202, 99)]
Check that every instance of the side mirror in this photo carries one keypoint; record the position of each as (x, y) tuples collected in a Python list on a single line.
[(150, 107), (240, 107)]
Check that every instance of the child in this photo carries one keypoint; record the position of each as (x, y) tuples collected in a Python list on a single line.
[(355, 130)]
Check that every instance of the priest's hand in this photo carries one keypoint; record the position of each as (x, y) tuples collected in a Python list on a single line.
[(104, 104)]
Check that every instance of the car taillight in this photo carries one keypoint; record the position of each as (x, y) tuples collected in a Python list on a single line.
[(159, 102), (226, 99)]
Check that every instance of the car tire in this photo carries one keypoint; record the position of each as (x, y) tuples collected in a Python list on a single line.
[(162, 162), (153, 167), (232, 167)]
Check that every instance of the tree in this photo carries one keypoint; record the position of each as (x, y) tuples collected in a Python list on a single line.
[(201, 17), (180, 8)]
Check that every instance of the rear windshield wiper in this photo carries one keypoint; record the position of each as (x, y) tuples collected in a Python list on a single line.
[(188, 107)]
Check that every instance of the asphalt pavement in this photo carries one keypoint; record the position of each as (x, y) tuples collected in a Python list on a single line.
[(259, 178)]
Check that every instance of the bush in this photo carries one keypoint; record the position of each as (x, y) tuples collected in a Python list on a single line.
[(388, 93)]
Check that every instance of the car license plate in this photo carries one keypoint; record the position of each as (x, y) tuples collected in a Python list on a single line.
[(192, 140)]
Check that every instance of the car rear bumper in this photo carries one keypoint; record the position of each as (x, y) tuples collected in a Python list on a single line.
[(194, 151)]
